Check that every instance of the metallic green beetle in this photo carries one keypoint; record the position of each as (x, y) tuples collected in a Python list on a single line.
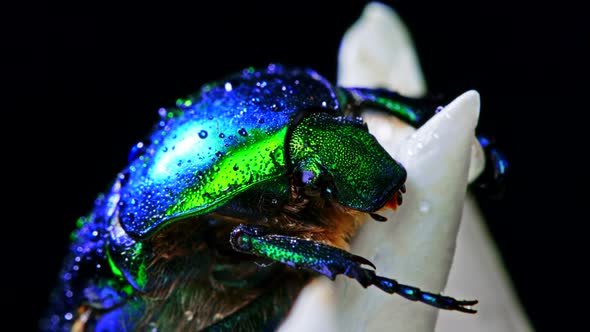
[(270, 165)]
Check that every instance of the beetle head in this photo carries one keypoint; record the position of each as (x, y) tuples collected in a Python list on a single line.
[(338, 158)]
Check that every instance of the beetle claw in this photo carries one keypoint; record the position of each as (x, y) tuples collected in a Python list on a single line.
[(378, 217)]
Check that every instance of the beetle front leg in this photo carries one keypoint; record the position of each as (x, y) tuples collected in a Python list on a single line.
[(331, 261)]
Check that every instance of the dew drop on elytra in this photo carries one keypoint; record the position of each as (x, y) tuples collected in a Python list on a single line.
[(136, 151)]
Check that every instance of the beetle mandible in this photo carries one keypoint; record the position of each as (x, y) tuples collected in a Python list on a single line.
[(240, 194)]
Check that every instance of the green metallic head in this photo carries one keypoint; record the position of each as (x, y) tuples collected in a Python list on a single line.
[(337, 157)]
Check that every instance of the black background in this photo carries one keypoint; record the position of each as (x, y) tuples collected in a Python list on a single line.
[(87, 81)]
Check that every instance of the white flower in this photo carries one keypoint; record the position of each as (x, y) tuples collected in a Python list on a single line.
[(421, 244)]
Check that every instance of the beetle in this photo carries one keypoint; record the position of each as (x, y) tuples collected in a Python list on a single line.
[(241, 193)]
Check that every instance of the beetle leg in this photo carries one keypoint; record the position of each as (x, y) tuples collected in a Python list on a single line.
[(493, 179), (331, 261), (413, 111)]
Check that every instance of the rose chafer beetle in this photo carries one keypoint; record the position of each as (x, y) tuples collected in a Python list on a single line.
[(265, 166)]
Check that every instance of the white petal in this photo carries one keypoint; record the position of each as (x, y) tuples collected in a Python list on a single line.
[(378, 51), (416, 244), (478, 271), (314, 310)]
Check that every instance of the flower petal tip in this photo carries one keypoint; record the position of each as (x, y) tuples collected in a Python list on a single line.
[(378, 51)]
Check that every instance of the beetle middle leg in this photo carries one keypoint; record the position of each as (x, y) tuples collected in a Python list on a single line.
[(330, 262)]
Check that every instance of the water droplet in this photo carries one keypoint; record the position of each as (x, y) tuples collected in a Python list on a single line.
[(261, 120), (203, 134), (324, 104), (424, 207), (218, 154), (136, 151), (162, 112), (68, 316), (438, 109), (165, 149), (228, 86), (221, 135), (236, 167), (243, 132), (123, 177)]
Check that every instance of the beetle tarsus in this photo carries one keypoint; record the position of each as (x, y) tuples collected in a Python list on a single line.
[(368, 277), (416, 294)]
